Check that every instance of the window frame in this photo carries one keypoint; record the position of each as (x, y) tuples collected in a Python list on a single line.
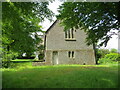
[(71, 54), (70, 35)]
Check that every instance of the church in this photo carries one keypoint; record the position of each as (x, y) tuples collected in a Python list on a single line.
[(67, 47)]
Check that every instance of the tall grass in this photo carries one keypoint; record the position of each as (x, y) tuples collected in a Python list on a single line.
[(62, 76)]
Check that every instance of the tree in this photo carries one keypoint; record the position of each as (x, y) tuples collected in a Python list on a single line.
[(113, 50), (19, 21), (101, 53), (110, 58), (96, 19)]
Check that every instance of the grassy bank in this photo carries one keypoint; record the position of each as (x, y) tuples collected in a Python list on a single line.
[(62, 76)]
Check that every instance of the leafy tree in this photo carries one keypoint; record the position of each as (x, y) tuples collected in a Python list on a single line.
[(39, 48), (100, 53), (110, 58), (113, 50), (103, 52), (19, 21), (95, 18)]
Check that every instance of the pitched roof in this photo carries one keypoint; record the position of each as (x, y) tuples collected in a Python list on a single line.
[(51, 27), (47, 32)]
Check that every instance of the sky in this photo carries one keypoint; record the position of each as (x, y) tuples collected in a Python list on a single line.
[(53, 6), (112, 43)]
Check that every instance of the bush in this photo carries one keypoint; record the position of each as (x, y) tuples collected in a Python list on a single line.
[(6, 57), (110, 58), (100, 53), (113, 50), (41, 56)]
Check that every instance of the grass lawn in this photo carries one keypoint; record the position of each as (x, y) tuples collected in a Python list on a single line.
[(62, 76), (25, 60), (17, 63)]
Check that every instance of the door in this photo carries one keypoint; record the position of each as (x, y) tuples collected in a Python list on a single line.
[(55, 57)]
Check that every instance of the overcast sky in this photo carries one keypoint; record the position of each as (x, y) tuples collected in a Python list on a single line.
[(112, 43)]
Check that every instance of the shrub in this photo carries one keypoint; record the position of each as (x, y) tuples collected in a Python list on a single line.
[(110, 58), (6, 57), (100, 53), (41, 56), (113, 50)]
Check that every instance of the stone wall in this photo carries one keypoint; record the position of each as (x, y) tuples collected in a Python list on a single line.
[(81, 57), (38, 63), (55, 41)]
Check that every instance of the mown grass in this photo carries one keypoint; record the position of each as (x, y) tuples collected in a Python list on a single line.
[(62, 76)]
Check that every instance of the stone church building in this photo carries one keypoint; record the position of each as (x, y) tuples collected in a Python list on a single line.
[(67, 47)]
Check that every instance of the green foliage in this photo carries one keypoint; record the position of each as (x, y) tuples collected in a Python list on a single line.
[(95, 18), (41, 49), (113, 50), (7, 56), (110, 58), (41, 56), (63, 76), (100, 53), (19, 21), (17, 63)]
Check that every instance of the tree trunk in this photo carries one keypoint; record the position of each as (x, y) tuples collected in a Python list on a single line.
[(8, 58)]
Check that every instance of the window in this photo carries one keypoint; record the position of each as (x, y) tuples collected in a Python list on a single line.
[(71, 54), (70, 34)]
